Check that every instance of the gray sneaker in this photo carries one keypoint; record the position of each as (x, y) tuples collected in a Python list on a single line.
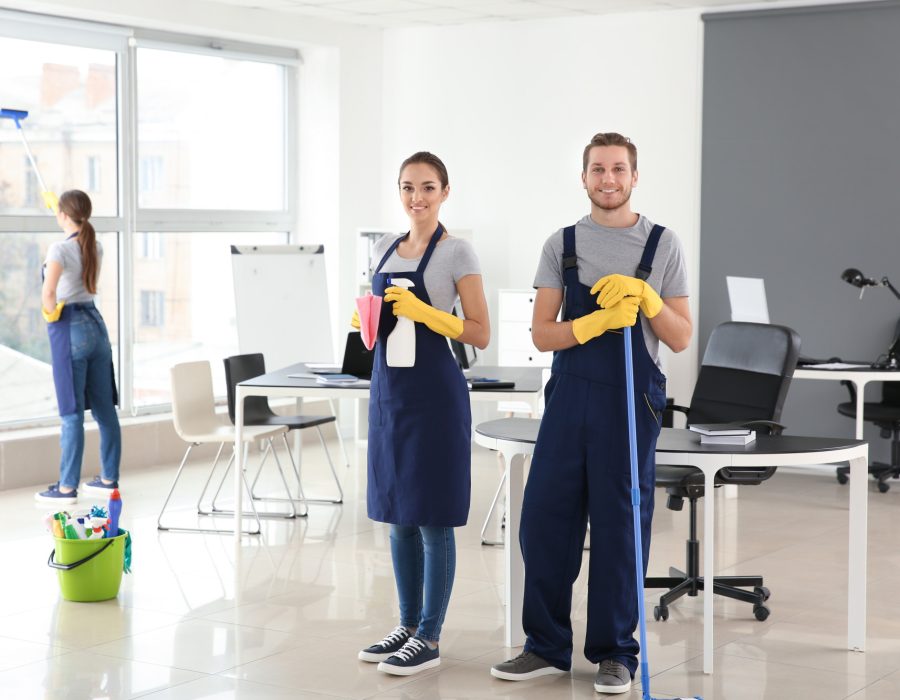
[(524, 667), (612, 677)]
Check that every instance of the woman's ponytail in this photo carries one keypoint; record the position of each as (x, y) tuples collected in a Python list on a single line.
[(77, 206)]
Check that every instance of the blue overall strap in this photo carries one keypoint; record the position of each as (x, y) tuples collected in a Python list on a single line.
[(391, 250), (569, 258), (645, 266), (432, 244)]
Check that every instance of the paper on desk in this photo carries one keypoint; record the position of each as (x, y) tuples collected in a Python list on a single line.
[(369, 309), (834, 365)]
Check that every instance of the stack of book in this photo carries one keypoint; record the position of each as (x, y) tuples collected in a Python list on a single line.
[(724, 433), (336, 379)]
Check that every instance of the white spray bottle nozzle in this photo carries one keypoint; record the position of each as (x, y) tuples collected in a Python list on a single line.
[(402, 282)]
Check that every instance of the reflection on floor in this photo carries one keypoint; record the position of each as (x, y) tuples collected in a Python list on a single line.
[(284, 616)]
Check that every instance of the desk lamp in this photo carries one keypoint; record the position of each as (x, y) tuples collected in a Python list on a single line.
[(853, 276)]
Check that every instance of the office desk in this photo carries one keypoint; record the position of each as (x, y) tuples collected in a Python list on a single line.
[(515, 438), (528, 387), (860, 377)]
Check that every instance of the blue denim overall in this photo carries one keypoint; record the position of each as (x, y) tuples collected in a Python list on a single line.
[(580, 470), (420, 422)]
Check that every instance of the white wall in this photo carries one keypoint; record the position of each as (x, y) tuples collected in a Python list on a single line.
[(509, 107)]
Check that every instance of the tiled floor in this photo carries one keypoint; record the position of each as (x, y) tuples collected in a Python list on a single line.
[(283, 616)]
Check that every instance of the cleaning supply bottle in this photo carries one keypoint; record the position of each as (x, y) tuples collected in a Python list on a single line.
[(115, 510), (401, 343)]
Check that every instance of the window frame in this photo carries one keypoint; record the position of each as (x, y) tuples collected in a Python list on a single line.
[(131, 219)]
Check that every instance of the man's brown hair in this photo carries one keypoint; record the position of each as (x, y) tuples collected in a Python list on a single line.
[(610, 138)]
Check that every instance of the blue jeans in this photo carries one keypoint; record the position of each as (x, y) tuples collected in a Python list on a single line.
[(92, 377), (424, 567)]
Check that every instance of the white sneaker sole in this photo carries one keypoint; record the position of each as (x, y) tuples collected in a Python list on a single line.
[(537, 673), (96, 490), (372, 657), (408, 670), (66, 501), (612, 689)]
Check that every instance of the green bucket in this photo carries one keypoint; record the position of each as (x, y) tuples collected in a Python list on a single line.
[(89, 570)]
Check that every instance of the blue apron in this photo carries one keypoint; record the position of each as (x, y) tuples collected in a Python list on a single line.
[(581, 469), (59, 334), (420, 422)]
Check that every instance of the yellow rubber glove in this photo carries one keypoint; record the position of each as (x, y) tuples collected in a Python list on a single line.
[(597, 323), (410, 306), (613, 288), (52, 316), (51, 201), (355, 320)]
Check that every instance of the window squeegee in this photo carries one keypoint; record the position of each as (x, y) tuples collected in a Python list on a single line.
[(17, 115)]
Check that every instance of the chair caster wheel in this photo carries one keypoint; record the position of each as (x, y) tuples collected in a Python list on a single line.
[(883, 487), (763, 592), (842, 478), (760, 611), (661, 612)]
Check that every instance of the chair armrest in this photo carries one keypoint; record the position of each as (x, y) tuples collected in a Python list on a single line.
[(676, 407), (774, 428), (851, 387)]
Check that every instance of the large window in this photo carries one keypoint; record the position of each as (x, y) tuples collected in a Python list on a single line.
[(214, 138), (183, 145)]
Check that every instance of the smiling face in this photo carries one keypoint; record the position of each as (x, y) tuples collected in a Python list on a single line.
[(609, 177), (421, 192)]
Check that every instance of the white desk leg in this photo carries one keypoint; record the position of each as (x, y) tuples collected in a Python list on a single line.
[(238, 460), (709, 569), (860, 401), (856, 584), (515, 566)]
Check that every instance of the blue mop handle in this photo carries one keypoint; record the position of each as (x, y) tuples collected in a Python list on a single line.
[(636, 508)]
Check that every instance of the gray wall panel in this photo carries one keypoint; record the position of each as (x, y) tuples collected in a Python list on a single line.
[(801, 179)]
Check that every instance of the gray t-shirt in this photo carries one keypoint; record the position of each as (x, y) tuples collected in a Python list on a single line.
[(453, 259), (68, 254), (604, 251)]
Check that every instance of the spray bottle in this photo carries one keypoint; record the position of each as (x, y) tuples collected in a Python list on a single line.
[(401, 343), (115, 510)]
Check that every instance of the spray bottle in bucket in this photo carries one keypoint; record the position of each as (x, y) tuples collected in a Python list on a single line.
[(401, 343)]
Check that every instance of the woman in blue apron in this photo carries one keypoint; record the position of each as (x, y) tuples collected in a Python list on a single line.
[(81, 353), (419, 457)]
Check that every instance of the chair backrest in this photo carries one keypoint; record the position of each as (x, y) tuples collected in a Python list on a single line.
[(744, 376), (193, 401), (240, 368), (745, 373)]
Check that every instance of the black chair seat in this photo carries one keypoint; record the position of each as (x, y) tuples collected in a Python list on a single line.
[(678, 477), (292, 422), (872, 412)]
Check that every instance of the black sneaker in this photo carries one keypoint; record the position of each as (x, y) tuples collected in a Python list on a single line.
[(612, 677), (54, 495), (96, 487), (414, 656), (525, 666), (387, 646)]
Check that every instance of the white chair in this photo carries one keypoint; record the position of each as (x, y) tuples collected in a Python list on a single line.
[(197, 423), (511, 408)]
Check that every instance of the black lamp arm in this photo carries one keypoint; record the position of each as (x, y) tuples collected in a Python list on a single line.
[(887, 283)]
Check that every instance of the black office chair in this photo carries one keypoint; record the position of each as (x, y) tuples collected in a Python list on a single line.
[(886, 415), (257, 411), (744, 376)]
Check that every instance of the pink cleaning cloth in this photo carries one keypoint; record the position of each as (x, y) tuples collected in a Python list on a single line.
[(369, 309)]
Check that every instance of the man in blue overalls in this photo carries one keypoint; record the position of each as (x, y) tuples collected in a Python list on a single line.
[(604, 273)]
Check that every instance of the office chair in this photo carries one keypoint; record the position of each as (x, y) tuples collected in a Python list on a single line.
[(886, 415), (197, 423), (257, 412), (744, 376)]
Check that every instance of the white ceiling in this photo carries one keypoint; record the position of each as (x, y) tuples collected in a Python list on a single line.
[(407, 13)]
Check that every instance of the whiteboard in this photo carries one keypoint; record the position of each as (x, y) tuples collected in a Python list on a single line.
[(281, 303)]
